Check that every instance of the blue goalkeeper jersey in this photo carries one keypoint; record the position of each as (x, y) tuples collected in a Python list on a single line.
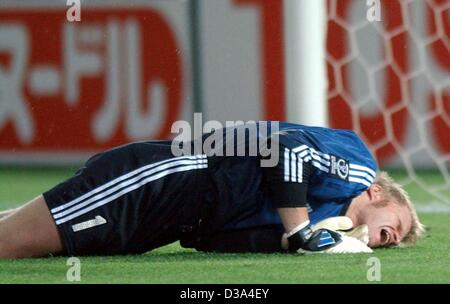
[(321, 168)]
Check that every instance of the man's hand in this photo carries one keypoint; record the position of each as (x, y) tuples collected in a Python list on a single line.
[(344, 225), (308, 239)]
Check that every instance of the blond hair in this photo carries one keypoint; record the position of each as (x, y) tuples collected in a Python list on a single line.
[(395, 192)]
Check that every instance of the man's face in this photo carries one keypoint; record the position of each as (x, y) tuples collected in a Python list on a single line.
[(388, 223)]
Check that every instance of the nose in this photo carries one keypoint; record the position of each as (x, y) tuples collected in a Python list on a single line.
[(374, 240)]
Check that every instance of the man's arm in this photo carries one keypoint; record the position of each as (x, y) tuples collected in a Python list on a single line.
[(287, 186), (293, 217)]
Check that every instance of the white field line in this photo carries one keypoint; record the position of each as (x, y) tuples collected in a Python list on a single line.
[(432, 207)]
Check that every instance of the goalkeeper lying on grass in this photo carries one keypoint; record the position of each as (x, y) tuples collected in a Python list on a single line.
[(321, 195)]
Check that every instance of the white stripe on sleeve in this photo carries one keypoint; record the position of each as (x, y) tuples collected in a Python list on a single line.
[(363, 168), (293, 167), (286, 165), (359, 180)]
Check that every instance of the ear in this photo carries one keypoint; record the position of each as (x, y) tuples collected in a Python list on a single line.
[(375, 192)]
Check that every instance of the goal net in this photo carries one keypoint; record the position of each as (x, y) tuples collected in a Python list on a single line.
[(389, 80)]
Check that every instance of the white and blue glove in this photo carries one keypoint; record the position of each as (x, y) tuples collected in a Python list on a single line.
[(327, 237), (344, 225)]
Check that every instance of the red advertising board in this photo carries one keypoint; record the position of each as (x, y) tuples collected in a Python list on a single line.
[(116, 76)]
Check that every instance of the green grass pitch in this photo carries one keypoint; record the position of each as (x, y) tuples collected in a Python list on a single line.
[(428, 262)]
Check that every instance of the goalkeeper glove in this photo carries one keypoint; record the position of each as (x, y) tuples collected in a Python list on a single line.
[(303, 239), (344, 225)]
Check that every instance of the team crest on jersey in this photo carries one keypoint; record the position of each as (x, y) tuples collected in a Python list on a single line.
[(339, 167)]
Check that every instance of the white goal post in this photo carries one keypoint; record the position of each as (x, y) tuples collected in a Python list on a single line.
[(306, 78)]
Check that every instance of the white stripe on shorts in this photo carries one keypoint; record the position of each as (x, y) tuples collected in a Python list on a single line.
[(125, 184)]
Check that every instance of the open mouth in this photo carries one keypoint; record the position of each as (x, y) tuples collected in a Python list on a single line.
[(385, 237)]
